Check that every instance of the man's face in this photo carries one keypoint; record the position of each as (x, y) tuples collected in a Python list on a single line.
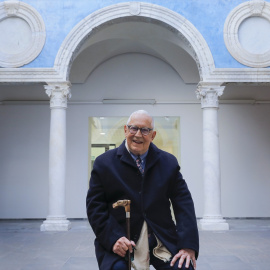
[(137, 143)]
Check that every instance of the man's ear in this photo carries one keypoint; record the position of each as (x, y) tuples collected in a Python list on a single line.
[(126, 130), (154, 133)]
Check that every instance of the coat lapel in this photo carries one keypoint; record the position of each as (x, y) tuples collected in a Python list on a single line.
[(152, 157), (125, 156)]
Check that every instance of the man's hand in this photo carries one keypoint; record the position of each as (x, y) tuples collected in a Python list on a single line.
[(122, 245), (185, 254)]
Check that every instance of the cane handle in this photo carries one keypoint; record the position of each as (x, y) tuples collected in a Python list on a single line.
[(123, 203)]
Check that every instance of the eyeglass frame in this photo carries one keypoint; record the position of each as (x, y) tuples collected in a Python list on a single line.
[(139, 129)]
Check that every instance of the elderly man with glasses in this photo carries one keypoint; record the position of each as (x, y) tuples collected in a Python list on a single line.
[(138, 171)]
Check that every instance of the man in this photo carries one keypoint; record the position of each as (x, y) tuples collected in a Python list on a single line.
[(151, 183)]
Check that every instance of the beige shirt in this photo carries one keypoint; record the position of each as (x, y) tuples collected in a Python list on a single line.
[(141, 254)]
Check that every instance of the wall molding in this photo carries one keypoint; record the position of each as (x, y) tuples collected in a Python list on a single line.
[(217, 75), (187, 102)]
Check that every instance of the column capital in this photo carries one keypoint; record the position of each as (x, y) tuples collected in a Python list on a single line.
[(208, 93), (59, 93)]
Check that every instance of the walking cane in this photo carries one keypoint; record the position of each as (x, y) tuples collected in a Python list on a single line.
[(126, 204)]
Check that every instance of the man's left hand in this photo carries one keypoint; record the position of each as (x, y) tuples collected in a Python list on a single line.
[(184, 254)]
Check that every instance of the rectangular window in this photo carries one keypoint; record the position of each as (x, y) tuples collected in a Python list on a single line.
[(106, 133)]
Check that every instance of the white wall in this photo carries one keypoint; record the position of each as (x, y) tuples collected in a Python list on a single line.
[(24, 139), (245, 160)]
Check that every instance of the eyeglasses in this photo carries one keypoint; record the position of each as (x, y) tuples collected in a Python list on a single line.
[(133, 130)]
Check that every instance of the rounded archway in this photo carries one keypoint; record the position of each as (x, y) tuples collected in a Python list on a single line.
[(186, 38)]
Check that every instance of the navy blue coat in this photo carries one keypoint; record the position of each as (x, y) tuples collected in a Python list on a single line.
[(115, 176)]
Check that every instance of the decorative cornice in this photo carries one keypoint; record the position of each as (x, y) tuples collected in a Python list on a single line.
[(25, 75), (209, 93), (239, 75), (218, 75), (59, 93)]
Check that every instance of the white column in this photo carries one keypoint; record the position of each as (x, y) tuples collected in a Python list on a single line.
[(212, 218), (56, 219)]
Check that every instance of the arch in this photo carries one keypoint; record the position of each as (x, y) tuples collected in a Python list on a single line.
[(90, 24)]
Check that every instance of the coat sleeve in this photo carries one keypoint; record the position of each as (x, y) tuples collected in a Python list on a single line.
[(184, 212), (104, 225)]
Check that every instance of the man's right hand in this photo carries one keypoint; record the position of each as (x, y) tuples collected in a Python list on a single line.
[(122, 245)]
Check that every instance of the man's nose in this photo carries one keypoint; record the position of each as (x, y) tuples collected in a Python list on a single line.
[(138, 133)]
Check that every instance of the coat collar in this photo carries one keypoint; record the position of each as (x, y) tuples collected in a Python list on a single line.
[(151, 159)]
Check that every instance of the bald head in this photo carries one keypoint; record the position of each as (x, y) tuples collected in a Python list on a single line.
[(143, 113)]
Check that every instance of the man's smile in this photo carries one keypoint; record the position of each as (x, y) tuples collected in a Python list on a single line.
[(137, 142)]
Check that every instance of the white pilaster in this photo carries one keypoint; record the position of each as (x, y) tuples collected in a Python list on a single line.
[(56, 219), (212, 218)]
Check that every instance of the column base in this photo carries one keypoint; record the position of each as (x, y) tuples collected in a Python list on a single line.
[(55, 224), (213, 224)]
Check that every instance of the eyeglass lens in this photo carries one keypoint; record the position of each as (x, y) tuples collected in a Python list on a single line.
[(134, 130)]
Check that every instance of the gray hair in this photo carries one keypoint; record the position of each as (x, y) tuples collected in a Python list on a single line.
[(142, 112)]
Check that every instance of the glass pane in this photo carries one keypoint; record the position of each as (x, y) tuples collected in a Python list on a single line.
[(106, 133)]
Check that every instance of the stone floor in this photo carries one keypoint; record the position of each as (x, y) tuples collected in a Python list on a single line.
[(22, 247)]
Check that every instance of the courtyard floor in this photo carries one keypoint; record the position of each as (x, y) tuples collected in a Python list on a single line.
[(246, 246)]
